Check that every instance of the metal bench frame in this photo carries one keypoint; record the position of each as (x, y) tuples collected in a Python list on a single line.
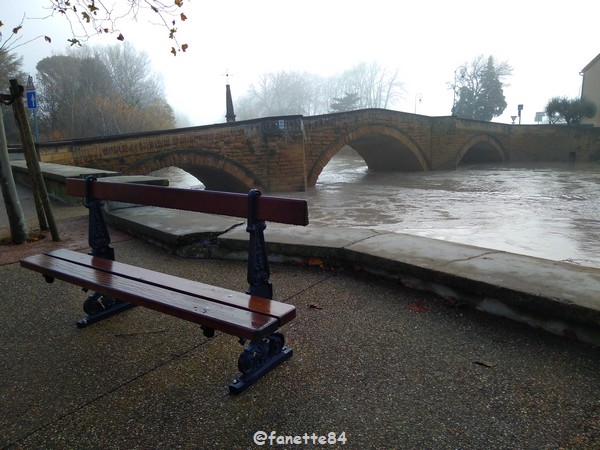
[(264, 348)]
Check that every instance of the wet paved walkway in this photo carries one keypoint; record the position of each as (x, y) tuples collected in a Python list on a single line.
[(388, 366)]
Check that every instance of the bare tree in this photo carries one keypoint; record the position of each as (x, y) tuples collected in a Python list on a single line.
[(375, 86), (308, 94), (131, 72), (86, 18), (282, 93), (98, 92)]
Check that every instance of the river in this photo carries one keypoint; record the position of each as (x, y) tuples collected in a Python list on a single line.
[(544, 210)]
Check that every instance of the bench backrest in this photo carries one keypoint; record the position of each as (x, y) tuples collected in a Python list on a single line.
[(274, 209)]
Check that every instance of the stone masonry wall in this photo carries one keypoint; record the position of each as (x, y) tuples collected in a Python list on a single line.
[(286, 154), (556, 143)]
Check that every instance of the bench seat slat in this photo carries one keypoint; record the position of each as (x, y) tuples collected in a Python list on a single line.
[(231, 320), (274, 209), (283, 312)]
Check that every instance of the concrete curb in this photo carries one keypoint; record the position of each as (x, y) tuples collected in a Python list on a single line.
[(558, 297)]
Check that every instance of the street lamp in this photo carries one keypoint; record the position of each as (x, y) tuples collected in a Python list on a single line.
[(419, 98), (462, 75)]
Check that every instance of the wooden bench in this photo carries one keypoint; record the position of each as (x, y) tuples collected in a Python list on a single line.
[(252, 316)]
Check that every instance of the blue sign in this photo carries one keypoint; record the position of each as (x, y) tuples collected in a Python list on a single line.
[(31, 100)]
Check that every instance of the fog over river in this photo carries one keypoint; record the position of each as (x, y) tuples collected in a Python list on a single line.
[(544, 210)]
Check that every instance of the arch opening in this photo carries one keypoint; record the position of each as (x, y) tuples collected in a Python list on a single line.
[(346, 166), (382, 148), (194, 177), (481, 150), (385, 153), (178, 177), (211, 171), (217, 180), (480, 154)]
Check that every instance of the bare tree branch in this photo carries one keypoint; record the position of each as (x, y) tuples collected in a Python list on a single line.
[(89, 18)]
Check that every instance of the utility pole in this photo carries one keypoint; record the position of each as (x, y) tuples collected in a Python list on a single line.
[(40, 194)]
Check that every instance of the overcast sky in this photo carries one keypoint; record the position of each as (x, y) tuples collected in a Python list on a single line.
[(546, 42)]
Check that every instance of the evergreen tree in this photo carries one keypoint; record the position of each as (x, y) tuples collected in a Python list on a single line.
[(348, 102), (479, 89)]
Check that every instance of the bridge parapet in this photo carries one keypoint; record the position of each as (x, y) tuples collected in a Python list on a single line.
[(239, 156), (288, 153)]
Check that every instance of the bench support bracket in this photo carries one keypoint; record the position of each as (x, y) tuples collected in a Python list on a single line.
[(258, 262), (259, 358), (115, 308), (98, 236)]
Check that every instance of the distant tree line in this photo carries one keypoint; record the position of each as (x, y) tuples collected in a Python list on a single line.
[(112, 90), (366, 85), (91, 92), (478, 88), (94, 92), (99, 92)]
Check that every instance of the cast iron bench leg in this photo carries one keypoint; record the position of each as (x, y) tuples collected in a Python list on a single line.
[(99, 306), (259, 358)]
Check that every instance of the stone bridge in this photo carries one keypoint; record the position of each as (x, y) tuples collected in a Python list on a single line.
[(282, 154)]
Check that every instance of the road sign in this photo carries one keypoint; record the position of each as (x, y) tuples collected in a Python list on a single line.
[(539, 116), (30, 86), (31, 100)]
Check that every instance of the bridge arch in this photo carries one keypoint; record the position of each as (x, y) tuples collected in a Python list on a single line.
[(382, 148), (482, 148), (212, 169)]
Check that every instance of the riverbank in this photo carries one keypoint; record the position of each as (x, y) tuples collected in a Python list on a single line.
[(385, 365), (558, 297)]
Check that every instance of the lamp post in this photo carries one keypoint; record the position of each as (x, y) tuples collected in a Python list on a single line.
[(464, 69), (419, 98)]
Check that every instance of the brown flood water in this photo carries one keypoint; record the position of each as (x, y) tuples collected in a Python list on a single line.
[(544, 210)]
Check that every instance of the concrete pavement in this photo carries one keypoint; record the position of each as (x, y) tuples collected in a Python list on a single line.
[(388, 365)]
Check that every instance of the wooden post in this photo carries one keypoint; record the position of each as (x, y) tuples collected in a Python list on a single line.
[(33, 165), (37, 199), (16, 219)]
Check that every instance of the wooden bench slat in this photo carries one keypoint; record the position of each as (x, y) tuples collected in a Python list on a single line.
[(221, 317), (283, 312), (275, 209)]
